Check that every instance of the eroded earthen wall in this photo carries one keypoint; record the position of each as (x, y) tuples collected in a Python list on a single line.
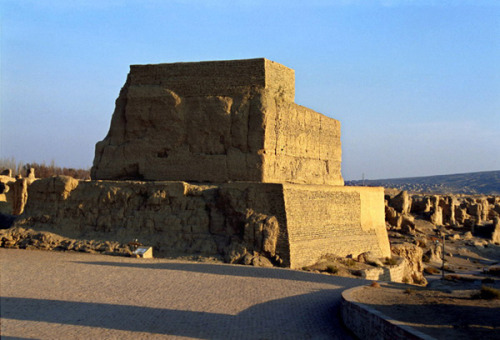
[(217, 122), (177, 218), (289, 224), (334, 220)]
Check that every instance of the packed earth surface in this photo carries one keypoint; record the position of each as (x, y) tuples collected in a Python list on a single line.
[(446, 310)]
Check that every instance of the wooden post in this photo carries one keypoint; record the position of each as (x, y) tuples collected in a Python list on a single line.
[(442, 256)]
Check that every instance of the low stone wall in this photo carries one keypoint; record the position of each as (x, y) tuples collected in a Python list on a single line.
[(282, 224), (368, 323), (175, 217)]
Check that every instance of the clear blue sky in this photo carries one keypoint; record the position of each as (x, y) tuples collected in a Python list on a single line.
[(415, 84)]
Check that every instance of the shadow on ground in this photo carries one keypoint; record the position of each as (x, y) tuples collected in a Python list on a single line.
[(238, 270), (311, 315)]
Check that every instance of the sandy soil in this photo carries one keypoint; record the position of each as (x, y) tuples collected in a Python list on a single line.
[(444, 311)]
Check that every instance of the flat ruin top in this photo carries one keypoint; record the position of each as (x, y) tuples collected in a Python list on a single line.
[(224, 77)]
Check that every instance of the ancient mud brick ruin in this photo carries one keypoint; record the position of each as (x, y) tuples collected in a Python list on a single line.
[(217, 122), (216, 159)]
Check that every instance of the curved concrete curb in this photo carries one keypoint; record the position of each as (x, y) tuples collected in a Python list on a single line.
[(368, 323)]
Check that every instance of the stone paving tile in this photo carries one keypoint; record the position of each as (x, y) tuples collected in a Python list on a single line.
[(52, 295)]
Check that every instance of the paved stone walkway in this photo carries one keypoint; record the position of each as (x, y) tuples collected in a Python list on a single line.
[(53, 295)]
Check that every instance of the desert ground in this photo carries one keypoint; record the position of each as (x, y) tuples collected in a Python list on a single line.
[(444, 310), (49, 295)]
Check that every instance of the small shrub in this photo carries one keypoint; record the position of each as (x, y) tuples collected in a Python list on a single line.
[(452, 278), (349, 262), (494, 271), (390, 261), (373, 263), (431, 271), (487, 293), (332, 269), (421, 243), (419, 280), (375, 284), (448, 269)]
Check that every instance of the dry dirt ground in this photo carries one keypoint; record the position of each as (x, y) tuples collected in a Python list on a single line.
[(445, 308), (446, 312)]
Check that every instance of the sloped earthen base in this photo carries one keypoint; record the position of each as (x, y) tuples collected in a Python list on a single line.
[(291, 225)]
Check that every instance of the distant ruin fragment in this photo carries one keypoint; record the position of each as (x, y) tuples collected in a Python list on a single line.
[(216, 159)]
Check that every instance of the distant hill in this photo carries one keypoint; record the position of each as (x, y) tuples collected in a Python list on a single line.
[(485, 183)]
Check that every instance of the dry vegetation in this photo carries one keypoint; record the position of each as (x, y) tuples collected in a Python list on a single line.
[(42, 170)]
